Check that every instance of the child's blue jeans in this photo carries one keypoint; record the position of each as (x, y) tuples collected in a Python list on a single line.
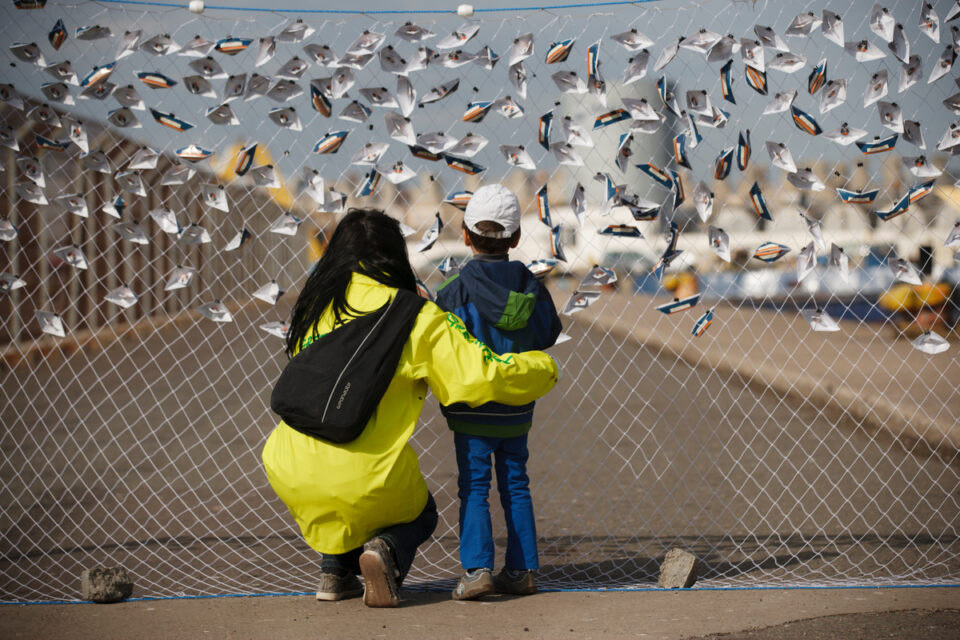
[(476, 533)]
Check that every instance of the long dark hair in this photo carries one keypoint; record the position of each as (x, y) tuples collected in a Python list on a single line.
[(366, 241)]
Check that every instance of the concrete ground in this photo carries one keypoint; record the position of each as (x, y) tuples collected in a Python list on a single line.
[(850, 614)]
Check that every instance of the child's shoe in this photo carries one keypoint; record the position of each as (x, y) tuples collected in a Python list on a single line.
[(474, 584), (336, 587), (515, 583)]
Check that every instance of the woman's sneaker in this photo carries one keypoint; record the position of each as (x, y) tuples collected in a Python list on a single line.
[(474, 584), (380, 574), (335, 587), (515, 583)]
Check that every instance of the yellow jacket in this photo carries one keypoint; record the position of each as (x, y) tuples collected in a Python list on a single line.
[(341, 495)]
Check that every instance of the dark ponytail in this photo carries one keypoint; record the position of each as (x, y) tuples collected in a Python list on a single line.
[(366, 241)]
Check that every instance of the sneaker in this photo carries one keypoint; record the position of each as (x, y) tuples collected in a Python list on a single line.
[(333, 587), (380, 574), (474, 584), (515, 583)]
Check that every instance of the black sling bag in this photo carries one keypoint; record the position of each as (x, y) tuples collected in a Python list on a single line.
[(330, 389)]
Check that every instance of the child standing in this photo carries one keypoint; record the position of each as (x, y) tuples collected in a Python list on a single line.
[(506, 307)]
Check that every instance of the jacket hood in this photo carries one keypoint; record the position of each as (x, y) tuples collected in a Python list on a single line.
[(500, 306)]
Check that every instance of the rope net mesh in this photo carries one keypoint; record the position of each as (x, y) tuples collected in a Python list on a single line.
[(779, 455)]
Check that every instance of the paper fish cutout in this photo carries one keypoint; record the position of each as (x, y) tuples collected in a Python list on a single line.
[(806, 180), (257, 86), (517, 156), (864, 51), (440, 92), (232, 46), (559, 51), (701, 41), (193, 234), (330, 143), (905, 272), (832, 27), (771, 251), (7, 230), (286, 225), (569, 82), (31, 193), (122, 296), (703, 200), (155, 80), (556, 244), (167, 220), (245, 159), (97, 75), (131, 232), (726, 82), (469, 145), (857, 197), (900, 46), (845, 134), (397, 173), (50, 323), (198, 47), (579, 301), (636, 68), (463, 165), (541, 268), (752, 54), (817, 77), (944, 64), (805, 121), (723, 164), (806, 262), (10, 282), (243, 236), (677, 305), (953, 239), (756, 79), (598, 276), (680, 150), (215, 311), (898, 209), (891, 116), (669, 254), (930, 343), (667, 54), (719, 242), (702, 323), (518, 78), (834, 94), (781, 157), (803, 24), (208, 68), (72, 256), (910, 73), (878, 145), (929, 23), (786, 62), (781, 102), (180, 278), (431, 235), (819, 320), (876, 89)]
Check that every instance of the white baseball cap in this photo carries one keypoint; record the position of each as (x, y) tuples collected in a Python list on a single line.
[(496, 203)]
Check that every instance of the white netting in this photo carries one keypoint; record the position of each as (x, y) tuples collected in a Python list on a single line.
[(779, 455)]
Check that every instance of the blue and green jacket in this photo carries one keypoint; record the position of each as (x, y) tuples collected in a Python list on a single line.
[(506, 307)]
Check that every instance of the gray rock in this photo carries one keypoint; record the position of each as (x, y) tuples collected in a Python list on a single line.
[(678, 570), (105, 584)]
